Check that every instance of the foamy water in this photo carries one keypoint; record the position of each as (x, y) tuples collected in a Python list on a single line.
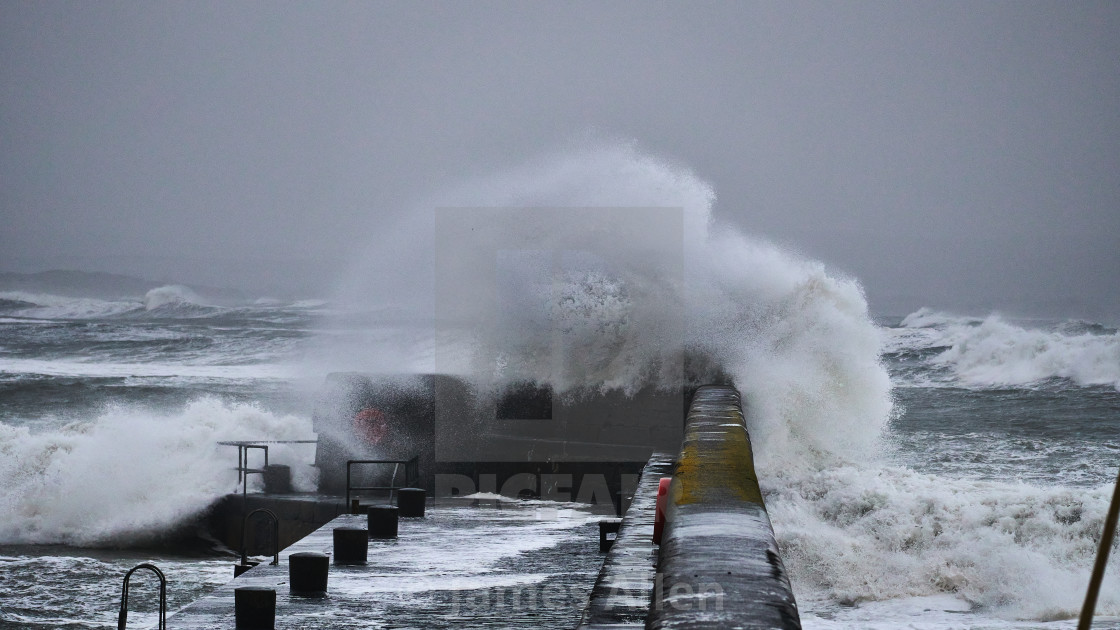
[(939, 472), (860, 530), (992, 352), (129, 476)]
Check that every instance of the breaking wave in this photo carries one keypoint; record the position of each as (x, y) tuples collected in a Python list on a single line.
[(992, 352), (172, 295), (795, 337), (130, 476), (798, 342), (167, 302), (857, 534), (47, 306)]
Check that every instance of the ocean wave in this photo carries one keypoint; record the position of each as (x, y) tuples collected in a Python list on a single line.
[(992, 352), (175, 295), (48, 306), (619, 314), (857, 534), (129, 476), (169, 303), (185, 372)]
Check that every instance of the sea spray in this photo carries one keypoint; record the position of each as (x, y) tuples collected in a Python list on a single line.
[(796, 338), (856, 527), (129, 475), (799, 343)]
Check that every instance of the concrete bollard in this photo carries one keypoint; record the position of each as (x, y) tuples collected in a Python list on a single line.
[(411, 502), (351, 545), (307, 572), (277, 479), (254, 608), (382, 520)]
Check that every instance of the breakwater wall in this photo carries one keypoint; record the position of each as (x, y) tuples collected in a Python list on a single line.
[(719, 565)]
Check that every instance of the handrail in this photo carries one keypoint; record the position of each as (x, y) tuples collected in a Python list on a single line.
[(275, 535), (122, 619), (1086, 619), (243, 446), (411, 474)]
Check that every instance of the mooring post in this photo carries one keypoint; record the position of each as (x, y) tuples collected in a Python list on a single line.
[(351, 545), (411, 502), (382, 521), (254, 608), (307, 572)]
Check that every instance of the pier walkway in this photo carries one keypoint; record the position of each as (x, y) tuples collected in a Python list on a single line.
[(485, 561), (468, 563)]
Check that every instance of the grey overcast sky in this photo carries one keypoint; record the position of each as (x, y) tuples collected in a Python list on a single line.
[(960, 155)]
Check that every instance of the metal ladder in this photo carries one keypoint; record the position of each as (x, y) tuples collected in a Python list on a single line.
[(122, 620), (275, 535)]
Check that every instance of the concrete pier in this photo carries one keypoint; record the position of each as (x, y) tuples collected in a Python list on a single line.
[(624, 587), (468, 563), (485, 561), (719, 565), (298, 514)]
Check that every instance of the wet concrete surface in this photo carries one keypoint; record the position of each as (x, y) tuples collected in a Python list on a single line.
[(491, 563), (622, 593)]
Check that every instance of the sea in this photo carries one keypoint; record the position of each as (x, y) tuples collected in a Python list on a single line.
[(928, 470)]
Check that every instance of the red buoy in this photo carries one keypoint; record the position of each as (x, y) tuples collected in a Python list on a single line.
[(659, 514)]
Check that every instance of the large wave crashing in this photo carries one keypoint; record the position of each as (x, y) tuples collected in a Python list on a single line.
[(129, 476), (795, 338)]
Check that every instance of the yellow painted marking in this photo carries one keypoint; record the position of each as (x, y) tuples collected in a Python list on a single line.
[(716, 459)]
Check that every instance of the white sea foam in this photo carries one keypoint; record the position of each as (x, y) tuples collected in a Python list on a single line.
[(992, 352), (47, 306), (800, 345), (797, 338), (186, 371), (858, 534), (128, 475)]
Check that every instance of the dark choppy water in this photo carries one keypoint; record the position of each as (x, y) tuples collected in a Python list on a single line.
[(979, 509)]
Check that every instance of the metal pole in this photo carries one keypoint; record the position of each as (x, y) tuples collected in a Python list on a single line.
[(1107, 535)]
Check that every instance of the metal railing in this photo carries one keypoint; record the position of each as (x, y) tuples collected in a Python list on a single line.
[(122, 619), (411, 475), (243, 446)]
